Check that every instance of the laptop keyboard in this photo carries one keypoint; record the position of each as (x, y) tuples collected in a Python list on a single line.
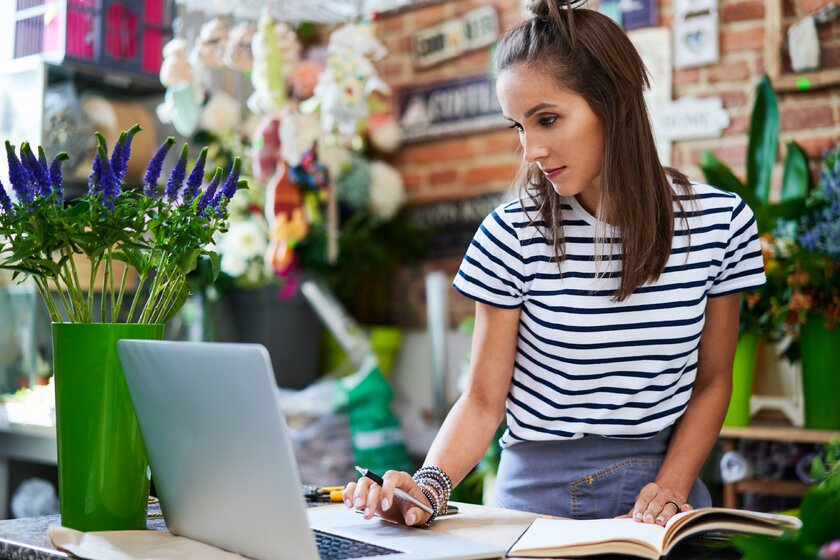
[(335, 547)]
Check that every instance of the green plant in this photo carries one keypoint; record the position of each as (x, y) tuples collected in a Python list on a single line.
[(160, 235), (819, 512), (758, 311)]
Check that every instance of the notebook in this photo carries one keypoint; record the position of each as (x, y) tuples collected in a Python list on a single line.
[(224, 467)]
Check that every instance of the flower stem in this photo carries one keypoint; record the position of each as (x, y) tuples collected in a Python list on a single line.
[(46, 296), (122, 292), (136, 297)]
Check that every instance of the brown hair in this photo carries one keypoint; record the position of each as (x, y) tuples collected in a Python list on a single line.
[(589, 54)]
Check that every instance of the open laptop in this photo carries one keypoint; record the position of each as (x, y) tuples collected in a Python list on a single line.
[(224, 467)]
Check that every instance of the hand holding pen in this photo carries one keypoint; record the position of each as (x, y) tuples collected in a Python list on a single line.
[(394, 497)]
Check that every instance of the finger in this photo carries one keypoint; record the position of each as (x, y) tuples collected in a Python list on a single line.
[(686, 507), (643, 500), (391, 479), (668, 510), (372, 500), (360, 494), (415, 516), (348, 493), (654, 509)]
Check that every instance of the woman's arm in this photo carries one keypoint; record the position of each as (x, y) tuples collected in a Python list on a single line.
[(697, 430), (469, 426)]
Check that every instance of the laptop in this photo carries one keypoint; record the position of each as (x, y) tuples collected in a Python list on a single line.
[(224, 467)]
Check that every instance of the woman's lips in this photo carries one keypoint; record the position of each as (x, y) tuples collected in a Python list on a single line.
[(553, 172)]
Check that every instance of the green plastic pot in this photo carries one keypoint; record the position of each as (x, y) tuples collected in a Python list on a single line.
[(103, 472), (820, 374), (743, 373)]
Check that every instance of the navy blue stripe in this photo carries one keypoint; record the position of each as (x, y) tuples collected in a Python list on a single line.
[(607, 406), (736, 290), (615, 326), (561, 433), (484, 301), (586, 377), (504, 247), (491, 273), (623, 309), (699, 230), (604, 293), (600, 421), (503, 225), (495, 259), (603, 345), (483, 286), (744, 228), (698, 213), (704, 195)]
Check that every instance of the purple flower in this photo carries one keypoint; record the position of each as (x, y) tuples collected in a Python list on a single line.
[(5, 201), (56, 179), (18, 176), (196, 176), (110, 185), (155, 166), (176, 177), (210, 193), (40, 176), (122, 152), (229, 188), (95, 177)]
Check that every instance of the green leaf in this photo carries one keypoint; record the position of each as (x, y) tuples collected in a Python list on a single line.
[(763, 140), (180, 300), (790, 209), (78, 209), (188, 261), (719, 175), (820, 512), (796, 178)]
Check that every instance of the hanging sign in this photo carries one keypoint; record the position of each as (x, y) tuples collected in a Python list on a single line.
[(688, 118), (476, 29), (695, 33), (459, 106), (453, 223)]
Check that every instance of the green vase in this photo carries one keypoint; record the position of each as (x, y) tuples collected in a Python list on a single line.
[(820, 374), (743, 372), (385, 341), (103, 472)]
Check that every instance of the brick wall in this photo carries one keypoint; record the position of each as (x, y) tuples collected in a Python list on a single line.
[(469, 165)]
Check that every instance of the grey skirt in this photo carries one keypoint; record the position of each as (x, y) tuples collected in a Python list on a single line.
[(588, 478)]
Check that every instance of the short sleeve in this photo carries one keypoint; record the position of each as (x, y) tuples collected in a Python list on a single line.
[(742, 268), (492, 271)]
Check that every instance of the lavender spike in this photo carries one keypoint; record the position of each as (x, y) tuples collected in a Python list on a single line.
[(38, 176), (155, 166), (56, 178), (116, 155), (209, 193), (18, 176), (229, 188), (110, 185), (176, 177), (5, 201), (196, 176), (95, 177), (125, 154)]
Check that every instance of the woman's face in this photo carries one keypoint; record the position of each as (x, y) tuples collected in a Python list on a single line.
[(558, 131)]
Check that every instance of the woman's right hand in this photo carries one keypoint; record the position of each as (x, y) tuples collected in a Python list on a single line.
[(366, 495)]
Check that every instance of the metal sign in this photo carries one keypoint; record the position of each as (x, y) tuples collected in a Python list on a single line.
[(476, 29), (453, 223), (449, 107)]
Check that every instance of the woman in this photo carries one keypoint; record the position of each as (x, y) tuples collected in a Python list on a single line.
[(607, 299)]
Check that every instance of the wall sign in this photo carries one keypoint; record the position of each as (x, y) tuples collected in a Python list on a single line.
[(688, 118), (695, 33), (639, 13), (476, 29), (454, 222), (450, 107)]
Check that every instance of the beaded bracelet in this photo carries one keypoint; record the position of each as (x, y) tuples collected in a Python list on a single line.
[(436, 486)]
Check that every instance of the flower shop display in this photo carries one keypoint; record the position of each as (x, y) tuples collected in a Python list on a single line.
[(117, 231), (811, 308), (758, 322)]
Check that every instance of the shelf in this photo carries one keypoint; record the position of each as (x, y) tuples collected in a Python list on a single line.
[(785, 488), (771, 432)]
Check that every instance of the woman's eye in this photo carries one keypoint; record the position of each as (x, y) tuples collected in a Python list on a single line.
[(516, 126), (547, 121)]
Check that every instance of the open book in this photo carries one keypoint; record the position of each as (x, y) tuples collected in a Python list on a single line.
[(570, 538)]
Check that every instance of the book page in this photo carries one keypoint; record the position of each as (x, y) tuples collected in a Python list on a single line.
[(560, 534)]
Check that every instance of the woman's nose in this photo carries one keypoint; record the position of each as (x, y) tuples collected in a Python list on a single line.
[(533, 151)]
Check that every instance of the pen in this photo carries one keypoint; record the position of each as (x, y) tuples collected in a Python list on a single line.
[(399, 493)]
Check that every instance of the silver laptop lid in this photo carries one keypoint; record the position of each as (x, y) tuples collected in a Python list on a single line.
[(218, 447)]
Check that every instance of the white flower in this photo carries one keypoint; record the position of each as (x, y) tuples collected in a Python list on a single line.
[(244, 241), (221, 114), (387, 192)]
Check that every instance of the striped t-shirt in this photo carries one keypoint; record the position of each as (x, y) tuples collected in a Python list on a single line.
[(586, 364)]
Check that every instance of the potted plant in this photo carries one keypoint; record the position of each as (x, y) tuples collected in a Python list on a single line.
[(811, 308), (115, 232), (758, 318)]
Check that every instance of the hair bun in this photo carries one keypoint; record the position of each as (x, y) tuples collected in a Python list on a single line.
[(542, 9)]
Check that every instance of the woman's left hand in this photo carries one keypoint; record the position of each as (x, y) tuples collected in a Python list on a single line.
[(656, 504)]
